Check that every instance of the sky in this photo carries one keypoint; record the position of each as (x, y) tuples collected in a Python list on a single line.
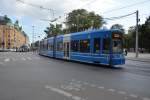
[(29, 16)]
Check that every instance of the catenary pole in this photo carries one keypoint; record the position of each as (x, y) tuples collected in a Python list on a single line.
[(136, 42)]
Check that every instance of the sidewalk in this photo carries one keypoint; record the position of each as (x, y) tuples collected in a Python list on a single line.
[(144, 57)]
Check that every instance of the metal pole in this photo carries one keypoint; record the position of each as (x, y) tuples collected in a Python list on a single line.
[(32, 37), (39, 44), (136, 44)]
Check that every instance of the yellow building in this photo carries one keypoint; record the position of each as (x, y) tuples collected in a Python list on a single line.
[(11, 38)]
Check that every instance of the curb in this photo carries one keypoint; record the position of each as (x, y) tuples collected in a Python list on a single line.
[(138, 60)]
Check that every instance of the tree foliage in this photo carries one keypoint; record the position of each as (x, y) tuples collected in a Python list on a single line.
[(144, 36), (77, 20), (53, 30), (118, 26), (80, 20)]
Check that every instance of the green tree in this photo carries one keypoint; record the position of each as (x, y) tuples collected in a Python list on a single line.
[(144, 35), (80, 19), (118, 26), (131, 37), (53, 30)]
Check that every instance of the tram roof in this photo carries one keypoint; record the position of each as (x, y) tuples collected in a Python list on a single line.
[(95, 31)]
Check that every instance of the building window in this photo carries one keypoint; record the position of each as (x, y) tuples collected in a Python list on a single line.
[(85, 46), (106, 45), (96, 45), (75, 46)]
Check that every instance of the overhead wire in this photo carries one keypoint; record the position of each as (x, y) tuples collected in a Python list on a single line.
[(127, 6), (119, 17), (37, 6), (110, 18), (34, 5), (88, 3)]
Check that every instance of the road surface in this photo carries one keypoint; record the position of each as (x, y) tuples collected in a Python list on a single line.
[(28, 76)]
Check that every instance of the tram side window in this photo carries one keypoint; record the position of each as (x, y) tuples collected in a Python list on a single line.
[(75, 46), (106, 45), (46, 46), (96, 45), (40, 45), (85, 46), (59, 46), (50, 46)]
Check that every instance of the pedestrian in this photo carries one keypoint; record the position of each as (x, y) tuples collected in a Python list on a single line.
[(126, 52)]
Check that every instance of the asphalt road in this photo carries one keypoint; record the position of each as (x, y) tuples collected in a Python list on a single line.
[(28, 76)]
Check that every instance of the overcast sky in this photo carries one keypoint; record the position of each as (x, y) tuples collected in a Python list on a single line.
[(29, 16)]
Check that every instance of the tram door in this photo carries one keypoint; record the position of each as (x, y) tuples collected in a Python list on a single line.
[(66, 44), (66, 49)]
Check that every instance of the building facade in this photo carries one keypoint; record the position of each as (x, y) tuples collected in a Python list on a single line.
[(11, 37)]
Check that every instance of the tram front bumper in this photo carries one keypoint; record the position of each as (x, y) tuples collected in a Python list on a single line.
[(118, 61)]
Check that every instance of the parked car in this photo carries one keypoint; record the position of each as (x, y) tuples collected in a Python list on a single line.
[(24, 48)]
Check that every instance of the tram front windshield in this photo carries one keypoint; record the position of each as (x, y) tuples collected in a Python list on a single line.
[(117, 43)]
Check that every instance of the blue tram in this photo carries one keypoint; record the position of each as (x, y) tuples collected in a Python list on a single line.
[(96, 46)]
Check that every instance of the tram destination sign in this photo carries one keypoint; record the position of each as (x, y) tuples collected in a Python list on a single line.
[(116, 35)]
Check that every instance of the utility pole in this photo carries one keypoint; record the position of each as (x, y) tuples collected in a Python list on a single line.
[(136, 44)]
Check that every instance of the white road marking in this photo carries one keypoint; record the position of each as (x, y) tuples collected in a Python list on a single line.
[(101, 87), (67, 94), (111, 90), (133, 95), (72, 86), (145, 98), (59, 91), (122, 92), (93, 85), (76, 98), (7, 59), (127, 96)]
